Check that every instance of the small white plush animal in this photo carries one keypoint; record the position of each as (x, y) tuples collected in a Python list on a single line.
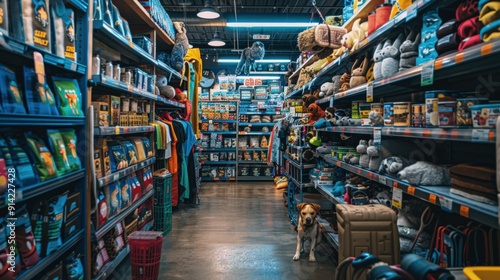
[(326, 89), (392, 165), (425, 174)]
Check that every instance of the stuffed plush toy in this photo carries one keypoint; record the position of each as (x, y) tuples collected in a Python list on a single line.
[(369, 73), (292, 66), (305, 76), (409, 50), (425, 174), (345, 81), (364, 159), (378, 58), (329, 120), (376, 119), (249, 56), (343, 121), (359, 70), (375, 156), (339, 189), (391, 53), (315, 113), (336, 83), (392, 165), (165, 89), (308, 99), (326, 89), (354, 122)]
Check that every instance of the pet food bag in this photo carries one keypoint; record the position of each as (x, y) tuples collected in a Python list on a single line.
[(135, 185), (117, 156), (102, 209), (145, 177), (5, 247), (64, 30), (25, 239), (16, 156), (74, 268), (69, 96), (148, 148), (39, 98), (43, 157), (126, 192), (60, 151), (139, 147), (12, 98), (69, 138), (113, 197), (36, 22), (4, 19), (130, 152)]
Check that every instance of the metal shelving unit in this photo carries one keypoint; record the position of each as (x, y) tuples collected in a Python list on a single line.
[(108, 269), (121, 130), (124, 172), (438, 195)]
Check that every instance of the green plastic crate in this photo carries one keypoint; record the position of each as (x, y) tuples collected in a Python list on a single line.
[(163, 218), (163, 189)]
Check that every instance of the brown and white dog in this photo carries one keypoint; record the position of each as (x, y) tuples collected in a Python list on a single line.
[(307, 229)]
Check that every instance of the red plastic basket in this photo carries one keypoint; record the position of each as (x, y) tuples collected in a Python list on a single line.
[(145, 254)]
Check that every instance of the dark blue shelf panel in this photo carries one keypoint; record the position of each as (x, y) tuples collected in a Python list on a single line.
[(35, 120), (218, 162), (108, 269), (169, 71), (217, 150), (246, 112), (252, 162), (121, 215), (49, 260), (29, 192), (219, 121), (25, 50), (219, 132), (208, 179), (254, 133), (256, 124), (120, 130), (124, 172), (255, 178), (80, 4), (252, 149)]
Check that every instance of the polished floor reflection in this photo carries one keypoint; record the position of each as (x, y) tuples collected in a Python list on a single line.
[(240, 231)]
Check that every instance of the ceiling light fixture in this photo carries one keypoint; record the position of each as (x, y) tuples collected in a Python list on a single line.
[(271, 24), (229, 60), (208, 11), (216, 41)]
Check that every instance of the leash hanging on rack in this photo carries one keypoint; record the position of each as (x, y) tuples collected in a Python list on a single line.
[(313, 2)]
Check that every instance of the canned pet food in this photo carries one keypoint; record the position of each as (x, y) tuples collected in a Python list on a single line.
[(355, 109), (447, 113), (388, 114), (402, 114), (431, 112), (417, 112), (464, 115), (364, 111), (484, 116)]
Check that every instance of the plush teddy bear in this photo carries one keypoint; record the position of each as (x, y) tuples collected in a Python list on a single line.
[(326, 89), (376, 119), (392, 165), (364, 159), (315, 113), (425, 174), (391, 53), (375, 156), (308, 99)]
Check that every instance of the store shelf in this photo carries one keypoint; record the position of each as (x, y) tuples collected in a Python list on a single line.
[(331, 236), (242, 112), (121, 130), (137, 15), (256, 124), (39, 120), (111, 223), (296, 146), (108, 269), (122, 88), (48, 262), (80, 4), (252, 162), (124, 172), (206, 179), (218, 162), (362, 12), (308, 62), (29, 192), (168, 71), (326, 191), (24, 50), (219, 132), (301, 185), (438, 195), (324, 100), (254, 133), (450, 134), (161, 101), (219, 121), (216, 150), (298, 165), (252, 149), (255, 178)]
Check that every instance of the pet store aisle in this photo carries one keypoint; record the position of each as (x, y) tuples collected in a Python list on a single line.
[(240, 231)]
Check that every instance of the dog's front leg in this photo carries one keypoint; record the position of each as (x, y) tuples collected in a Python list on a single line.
[(296, 257), (312, 258)]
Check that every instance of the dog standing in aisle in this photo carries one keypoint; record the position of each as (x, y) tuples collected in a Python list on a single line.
[(307, 229)]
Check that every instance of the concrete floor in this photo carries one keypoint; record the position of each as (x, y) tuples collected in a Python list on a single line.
[(240, 231)]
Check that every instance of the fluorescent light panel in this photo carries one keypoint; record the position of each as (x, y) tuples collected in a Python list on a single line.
[(229, 60), (271, 24)]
